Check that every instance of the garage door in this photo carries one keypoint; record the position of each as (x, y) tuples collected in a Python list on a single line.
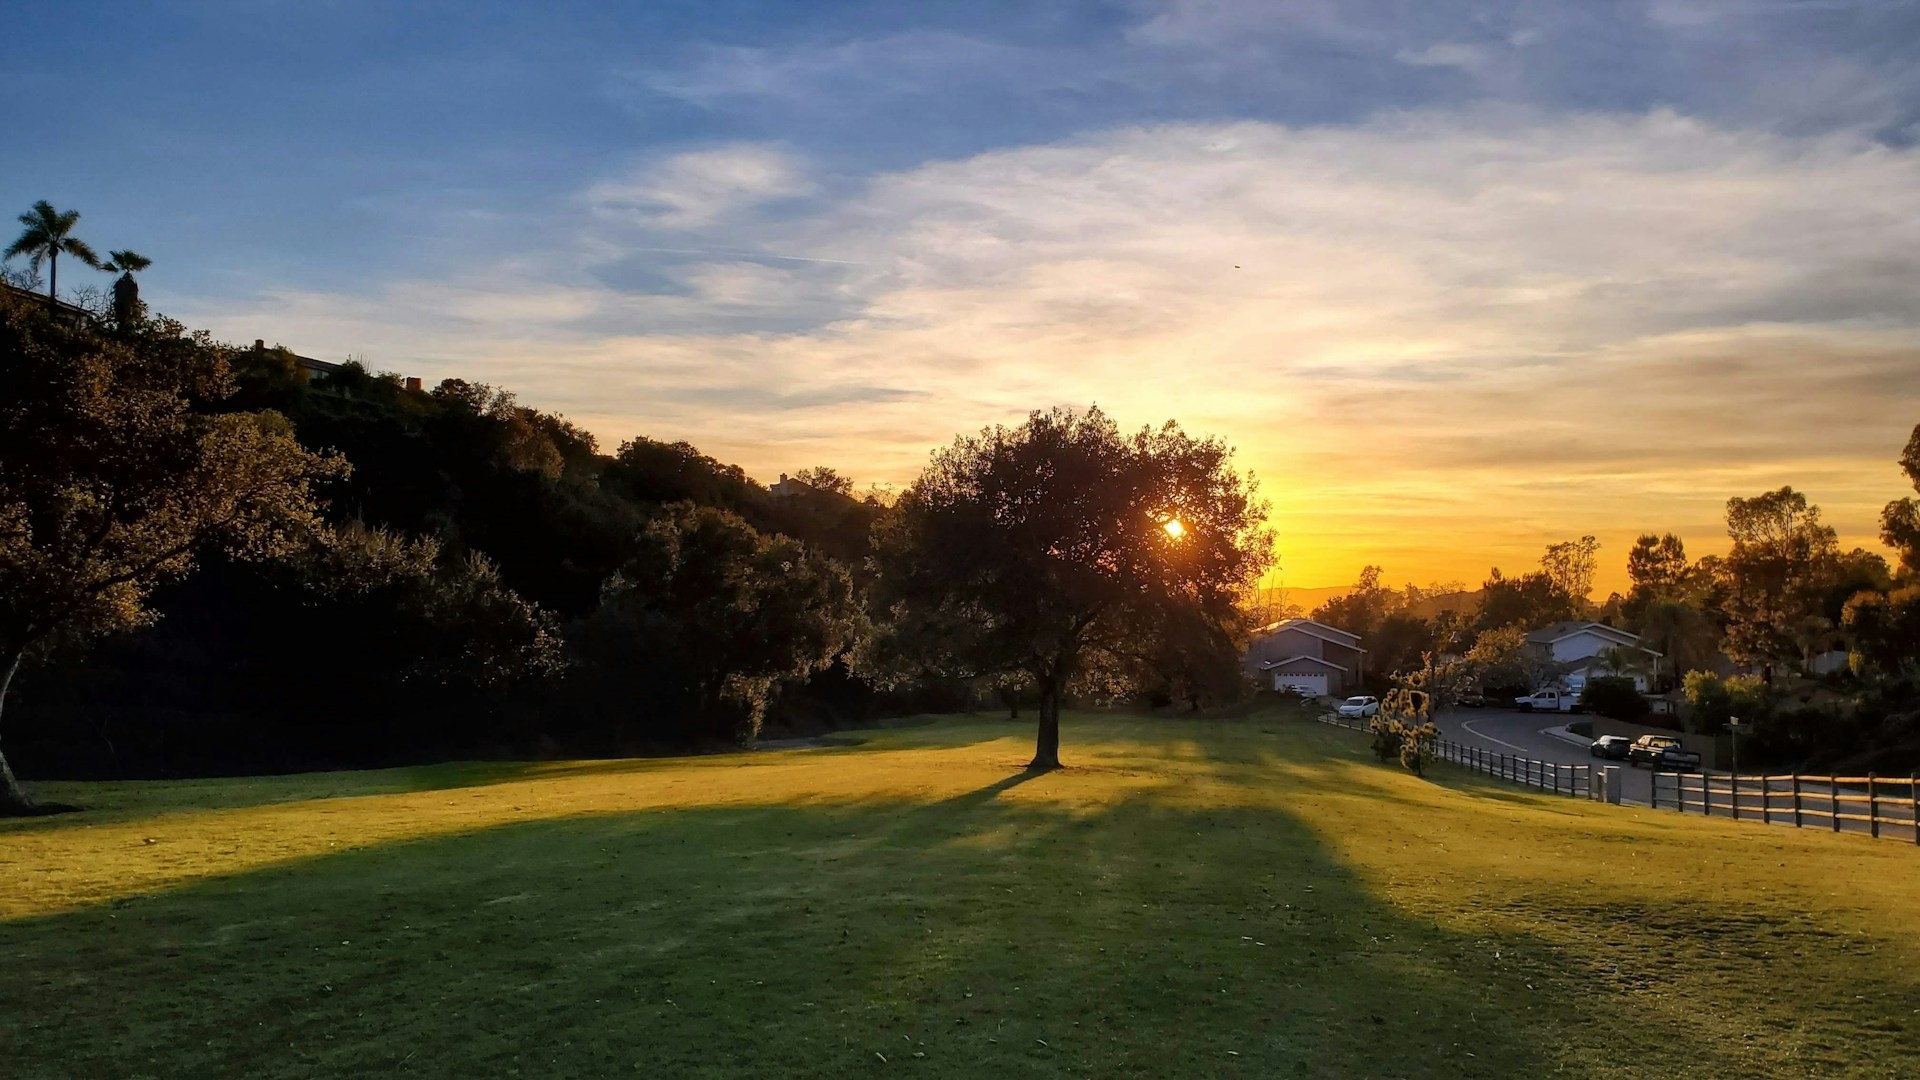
[(1311, 685)]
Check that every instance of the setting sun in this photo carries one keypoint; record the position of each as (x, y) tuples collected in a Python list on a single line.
[(1175, 529)]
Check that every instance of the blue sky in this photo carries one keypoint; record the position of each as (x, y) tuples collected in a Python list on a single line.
[(1661, 252)]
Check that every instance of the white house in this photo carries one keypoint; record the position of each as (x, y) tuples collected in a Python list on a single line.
[(1308, 656), (1577, 646)]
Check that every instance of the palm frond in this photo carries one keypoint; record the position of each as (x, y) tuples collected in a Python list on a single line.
[(43, 215), (127, 262), (30, 241), (78, 248)]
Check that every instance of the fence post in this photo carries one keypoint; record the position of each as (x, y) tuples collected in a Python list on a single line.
[(1873, 807), (1833, 802), (1766, 800), (1706, 793), (1796, 800), (1653, 790), (1733, 784), (1913, 792)]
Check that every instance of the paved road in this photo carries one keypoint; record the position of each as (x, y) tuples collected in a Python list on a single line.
[(1506, 731)]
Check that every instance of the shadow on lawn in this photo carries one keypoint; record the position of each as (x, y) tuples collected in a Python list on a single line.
[(991, 936), (117, 801)]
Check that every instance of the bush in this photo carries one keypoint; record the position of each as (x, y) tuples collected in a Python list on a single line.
[(1582, 728), (1614, 696), (1711, 700), (1402, 730)]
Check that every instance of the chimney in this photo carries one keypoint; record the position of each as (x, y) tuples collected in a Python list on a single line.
[(259, 345), (413, 383)]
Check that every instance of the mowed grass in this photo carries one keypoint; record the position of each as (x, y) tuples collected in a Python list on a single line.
[(1191, 898)]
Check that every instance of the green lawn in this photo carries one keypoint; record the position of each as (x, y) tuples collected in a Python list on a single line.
[(1192, 898)]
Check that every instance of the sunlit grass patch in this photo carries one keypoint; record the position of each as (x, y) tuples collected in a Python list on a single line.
[(1196, 897)]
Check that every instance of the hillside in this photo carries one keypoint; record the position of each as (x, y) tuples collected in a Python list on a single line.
[(1227, 898)]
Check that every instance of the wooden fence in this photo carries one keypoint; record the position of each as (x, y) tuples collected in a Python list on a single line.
[(1891, 804), (1573, 780)]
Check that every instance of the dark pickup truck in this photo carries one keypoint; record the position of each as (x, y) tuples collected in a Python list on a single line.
[(1662, 752)]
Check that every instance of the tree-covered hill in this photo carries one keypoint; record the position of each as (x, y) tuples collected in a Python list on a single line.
[(434, 606)]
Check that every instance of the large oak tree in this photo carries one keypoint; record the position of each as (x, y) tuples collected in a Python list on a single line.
[(116, 468), (1062, 546)]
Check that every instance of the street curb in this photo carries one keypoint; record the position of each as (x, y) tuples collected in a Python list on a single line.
[(1565, 735)]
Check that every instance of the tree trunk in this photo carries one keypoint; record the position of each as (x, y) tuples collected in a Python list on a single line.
[(12, 795), (53, 277), (1046, 750)]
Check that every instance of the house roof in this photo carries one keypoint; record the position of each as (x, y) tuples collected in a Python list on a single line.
[(1300, 659), (1560, 631), (316, 367), (70, 311), (1317, 629)]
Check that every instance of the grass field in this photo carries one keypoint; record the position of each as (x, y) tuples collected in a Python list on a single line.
[(1191, 898)]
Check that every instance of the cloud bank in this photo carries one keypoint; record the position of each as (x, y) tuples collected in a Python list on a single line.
[(1442, 338)]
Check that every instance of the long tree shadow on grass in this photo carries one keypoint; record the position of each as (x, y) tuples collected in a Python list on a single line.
[(115, 801), (980, 935)]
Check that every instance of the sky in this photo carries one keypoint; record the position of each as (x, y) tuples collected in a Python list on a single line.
[(1459, 280)]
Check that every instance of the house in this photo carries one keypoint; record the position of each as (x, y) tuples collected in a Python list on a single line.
[(1308, 656), (71, 314), (1577, 647), (788, 487), (309, 369)]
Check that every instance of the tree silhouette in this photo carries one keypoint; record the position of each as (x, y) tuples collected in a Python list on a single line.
[(126, 291), (1062, 550), (47, 237)]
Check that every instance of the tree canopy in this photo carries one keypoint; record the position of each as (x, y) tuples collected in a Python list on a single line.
[(1059, 547), (113, 476), (709, 615)]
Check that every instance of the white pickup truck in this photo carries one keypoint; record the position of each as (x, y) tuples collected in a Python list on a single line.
[(1549, 699)]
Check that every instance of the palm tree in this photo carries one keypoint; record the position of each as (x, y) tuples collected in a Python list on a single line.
[(46, 239), (126, 291)]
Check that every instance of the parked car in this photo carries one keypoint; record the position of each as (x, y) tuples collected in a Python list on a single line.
[(1473, 699), (1360, 707), (1662, 752), (1613, 747)]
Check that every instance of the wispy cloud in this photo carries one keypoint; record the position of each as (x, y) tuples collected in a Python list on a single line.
[(701, 187), (1446, 54)]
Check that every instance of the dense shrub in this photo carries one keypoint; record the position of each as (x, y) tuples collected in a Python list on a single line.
[(1614, 696)]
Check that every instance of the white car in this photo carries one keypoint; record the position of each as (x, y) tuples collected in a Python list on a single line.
[(1360, 707)]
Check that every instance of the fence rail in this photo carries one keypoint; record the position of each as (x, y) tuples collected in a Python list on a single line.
[(1553, 776), (1892, 804)]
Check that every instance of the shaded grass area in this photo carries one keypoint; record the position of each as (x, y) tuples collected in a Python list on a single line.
[(1193, 898)]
